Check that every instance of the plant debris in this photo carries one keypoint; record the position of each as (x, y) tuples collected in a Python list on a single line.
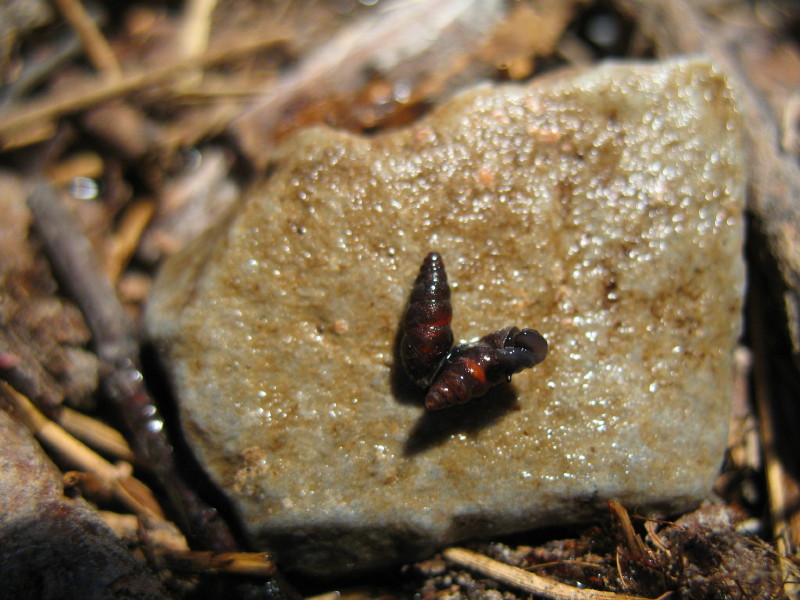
[(132, 127), (701, 555)]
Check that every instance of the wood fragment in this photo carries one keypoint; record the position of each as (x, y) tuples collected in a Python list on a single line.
[(95, 91), (258, 564), (783, 489), (633, 542), (133, 493), (196, 26), (94, 42), (790, 140), (193, 36), (123, 244), (652, 532), (87, 485), (159, 534), (85, 164), (57, 438), (95, 433), (528, 582), (378, 41), (78, 269), (743, 444)]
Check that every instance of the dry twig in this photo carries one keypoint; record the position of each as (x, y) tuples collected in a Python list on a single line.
[(97, 47), (95, 433), (652, 532), (528, 582), (123, 244), (633, 542), (196, 27), (133, 493), (78, 269), (193, 38), (157, 535), (783, 490), (379, 41), (257, 564), (94, 91)]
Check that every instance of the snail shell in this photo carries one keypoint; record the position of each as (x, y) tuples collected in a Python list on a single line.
[(456, 375), (427, 337), (471, 370)]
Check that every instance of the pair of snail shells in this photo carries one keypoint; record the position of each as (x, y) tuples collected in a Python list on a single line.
[(455, 375)]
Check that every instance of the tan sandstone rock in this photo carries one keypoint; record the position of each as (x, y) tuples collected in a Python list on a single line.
[(602, 208)]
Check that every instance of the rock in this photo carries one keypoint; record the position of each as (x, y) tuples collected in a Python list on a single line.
[(54, 546), (602, 208)]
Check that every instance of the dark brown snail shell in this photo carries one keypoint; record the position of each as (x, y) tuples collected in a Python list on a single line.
[(471, 370), (456, 375), (427, 337)]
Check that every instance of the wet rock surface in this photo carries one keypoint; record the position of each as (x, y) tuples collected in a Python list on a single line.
[(602, 208), (54, 546)]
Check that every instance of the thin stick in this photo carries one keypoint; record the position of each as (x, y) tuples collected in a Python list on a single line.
[(257, 564), (633, 541), (193, 37), (791, 119), (528, 582), (133, 493), (652, 532), (57, 438), (96, 91), (124, 242), (97, 47), (196, 26), (78, 269), (83, 164), (157, 535), (782, 489), (95, 433)]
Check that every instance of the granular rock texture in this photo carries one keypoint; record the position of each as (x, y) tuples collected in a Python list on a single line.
[(602, 208)]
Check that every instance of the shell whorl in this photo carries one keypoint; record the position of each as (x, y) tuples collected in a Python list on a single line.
[(427, 337), (470, 371), (456, 375)]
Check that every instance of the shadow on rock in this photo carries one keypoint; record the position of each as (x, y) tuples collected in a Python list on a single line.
[(404, 390), (435, 427)]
